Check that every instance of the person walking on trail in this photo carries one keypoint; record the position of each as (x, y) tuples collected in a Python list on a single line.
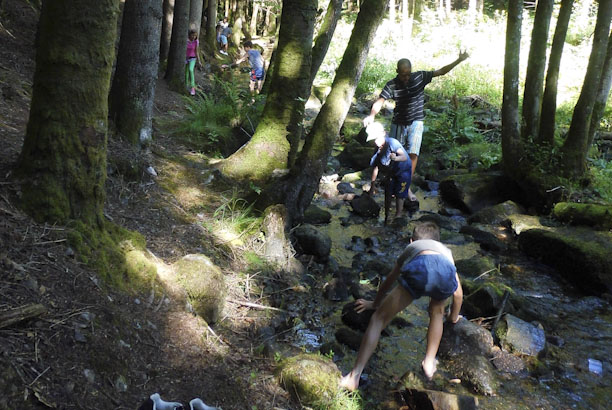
[(407, 90), (392, 161), (425, 268), (190, 62)]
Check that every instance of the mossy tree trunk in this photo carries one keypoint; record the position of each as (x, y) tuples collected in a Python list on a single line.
[(546, 133), (298, 189), (511, 138), (166, 30), (274, 141), (133, 89), (254, 17), (324, 36), (211, 26), (576, 145), (63, 159), (195, 15), (603, 93), (534, 80), (175, 72)]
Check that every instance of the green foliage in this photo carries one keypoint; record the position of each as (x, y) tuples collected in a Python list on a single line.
[(375, 74), (601, 179)]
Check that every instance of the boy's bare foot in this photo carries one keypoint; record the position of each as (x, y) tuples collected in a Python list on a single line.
[(429, 368), (349, 382), (454, 320), (411, 195)]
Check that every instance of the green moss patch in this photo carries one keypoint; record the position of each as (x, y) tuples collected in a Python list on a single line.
[(584, 214)]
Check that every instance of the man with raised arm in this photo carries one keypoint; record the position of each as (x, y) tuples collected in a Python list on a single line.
[(407, 90)]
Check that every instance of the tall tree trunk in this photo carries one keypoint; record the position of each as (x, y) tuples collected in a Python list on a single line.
[(204, 22), (266, 30), (166, 30), (511, 139), (211, 26), (273, 143), (175, 73), (227, 10), (303, 181), (133, 89), (324, 36), (407, 22), (195, 15), (546, 134), (575, 147), (447, 8), (418, 10), (602, 94), (254, 18), (392, 11), (63, 159), (534, 80), (238, 27)]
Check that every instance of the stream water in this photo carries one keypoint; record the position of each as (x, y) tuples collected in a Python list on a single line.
[(574, 372)]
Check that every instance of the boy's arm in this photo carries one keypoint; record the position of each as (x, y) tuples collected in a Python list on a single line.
[(441, 71), (400, 155), (457, 302), (374, 175), (375, 109)]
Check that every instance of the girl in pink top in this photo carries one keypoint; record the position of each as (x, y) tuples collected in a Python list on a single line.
[(192, 57)]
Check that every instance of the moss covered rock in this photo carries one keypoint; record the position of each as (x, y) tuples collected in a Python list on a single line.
[(205, 285), (355, 176), (316, 216), (311, 379), (599, 216), (311, 241), (496, 214), (475, 266), (356, 156), (581, 255), (519, 223)]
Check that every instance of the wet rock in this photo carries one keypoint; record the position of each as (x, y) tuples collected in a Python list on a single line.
[(310, 379), (349, 337), (311, 241), (476, 371), (437, 400), (333, 165), (336, 290), (465, 338), (400, 322), (381, 266), (328, 190), (496, 214), (555, 340), (444, 222), (204, 283), (333, 349), (354, 320), (316, 216), (476, 266), (345, 188), (448, 211), (411, 206), (356, 156), (365, 205), (90, 376), (580, 255), (488, 237), (508, 363), (599, 216), (355, 176), (520, 337), (484, 298), (372, 242), (357, 244), (519, 223), (473, 192)]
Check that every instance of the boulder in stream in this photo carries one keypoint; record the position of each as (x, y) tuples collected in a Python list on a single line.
[(365, 205), (354, 320), (316, 216), (476, 266), (596, 215), (465, 337), (496, 214), (312, 241), (476, 371), (520, 337), (355, 155), (475, 191), (484, 298), (489, 238), (437, 400)]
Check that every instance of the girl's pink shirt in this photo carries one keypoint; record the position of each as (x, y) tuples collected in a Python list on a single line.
[(192, 46)]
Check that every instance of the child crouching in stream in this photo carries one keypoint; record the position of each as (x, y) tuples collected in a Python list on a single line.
[(425, 268)]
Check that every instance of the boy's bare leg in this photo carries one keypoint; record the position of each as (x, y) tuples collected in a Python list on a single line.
[(399, 207), (434, 335), (414, 158), (387, 203), (457, 301), (394, 303)]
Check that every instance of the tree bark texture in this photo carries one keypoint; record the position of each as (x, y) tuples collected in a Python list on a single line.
[(211, 26), (175, 73), (274, 140), (603, 93), (63, 159), (546, 133), (195, 15), (303, 181), (324, 36), (254, 17), (133, 88), (576, 145), (392, 14), (511, 143), (166, 30), (534, 79)]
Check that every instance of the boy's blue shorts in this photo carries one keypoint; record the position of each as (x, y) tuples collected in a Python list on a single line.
[(429, 275), (223, 39), (257, 74), (398, 185)]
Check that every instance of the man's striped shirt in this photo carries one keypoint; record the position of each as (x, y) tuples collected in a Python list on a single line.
[(409, 98)]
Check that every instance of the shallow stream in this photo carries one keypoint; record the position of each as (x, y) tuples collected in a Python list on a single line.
[(574, 372)]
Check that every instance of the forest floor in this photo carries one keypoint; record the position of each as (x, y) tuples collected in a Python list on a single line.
[(96, 347)]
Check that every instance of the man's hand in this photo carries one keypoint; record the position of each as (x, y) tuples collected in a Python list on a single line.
[(368, 120), (463, 55), (361, 305)]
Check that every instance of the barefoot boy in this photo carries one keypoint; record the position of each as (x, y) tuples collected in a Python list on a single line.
[(426, 268)]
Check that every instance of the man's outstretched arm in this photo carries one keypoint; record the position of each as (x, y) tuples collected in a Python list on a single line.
[(441, 71)]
